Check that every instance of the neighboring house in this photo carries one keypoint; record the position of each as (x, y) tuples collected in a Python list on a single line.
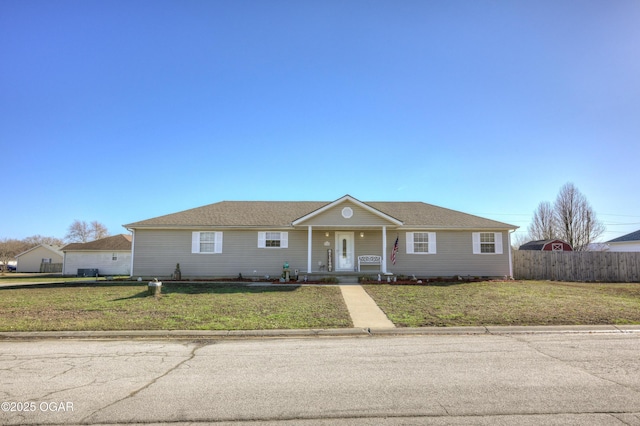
[(256, 238), (32, 259), (547, 245), (110, 256), (629, 242)]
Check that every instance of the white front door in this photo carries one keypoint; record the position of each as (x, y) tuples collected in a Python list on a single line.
[(344, 251)]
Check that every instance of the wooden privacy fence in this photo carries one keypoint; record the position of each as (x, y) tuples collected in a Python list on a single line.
[(51, 267), (576, 266)]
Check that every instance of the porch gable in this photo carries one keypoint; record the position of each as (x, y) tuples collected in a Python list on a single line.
[(347, 212)]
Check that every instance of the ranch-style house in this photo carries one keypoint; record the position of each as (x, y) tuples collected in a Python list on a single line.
[(345, 237)]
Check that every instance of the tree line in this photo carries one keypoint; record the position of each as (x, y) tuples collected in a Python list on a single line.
[(570, 218), (79, 231)]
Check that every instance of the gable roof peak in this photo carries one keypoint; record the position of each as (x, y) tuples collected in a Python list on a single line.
[(353, 200)]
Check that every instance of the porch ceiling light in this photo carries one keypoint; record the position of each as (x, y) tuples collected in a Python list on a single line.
[(326, 234), (361, 234)]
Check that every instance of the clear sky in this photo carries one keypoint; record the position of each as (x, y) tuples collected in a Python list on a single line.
[(120, 111)]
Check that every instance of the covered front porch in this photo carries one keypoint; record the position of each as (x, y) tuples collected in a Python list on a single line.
[(347, 236), (348, 251)]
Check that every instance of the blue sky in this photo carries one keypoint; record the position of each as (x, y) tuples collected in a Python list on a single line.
[(120, 111)]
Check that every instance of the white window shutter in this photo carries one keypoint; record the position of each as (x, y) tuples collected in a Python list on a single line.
[(262, 239), (432, 242), (476, 242), (195, 242), (497, 237), (218, 245), (409, 242), (284, 240)]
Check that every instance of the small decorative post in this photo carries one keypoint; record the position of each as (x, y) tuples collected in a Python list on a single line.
[(177, 274), (155, 288)]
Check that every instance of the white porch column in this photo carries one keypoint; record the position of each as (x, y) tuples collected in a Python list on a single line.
[(384, 249), (309, 241)]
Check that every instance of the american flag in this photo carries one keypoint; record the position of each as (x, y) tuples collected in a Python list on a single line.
[(394, 251)]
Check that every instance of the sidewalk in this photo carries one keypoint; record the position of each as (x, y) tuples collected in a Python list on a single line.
[(364, 311), (305, 333)]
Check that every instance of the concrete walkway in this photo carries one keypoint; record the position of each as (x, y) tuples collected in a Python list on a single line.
[(364, 312)]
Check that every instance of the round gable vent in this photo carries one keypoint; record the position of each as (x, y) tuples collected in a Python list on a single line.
[(347, 212)]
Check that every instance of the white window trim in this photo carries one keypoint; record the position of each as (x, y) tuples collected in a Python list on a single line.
[(195, 242), (497, 238), (432, 243), (284, 240)]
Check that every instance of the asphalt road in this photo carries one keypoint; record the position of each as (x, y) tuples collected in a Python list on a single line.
[(564, 379)]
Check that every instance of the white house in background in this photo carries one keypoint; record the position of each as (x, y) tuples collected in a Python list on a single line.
[(110, 256), (32, 259), (629, 242)]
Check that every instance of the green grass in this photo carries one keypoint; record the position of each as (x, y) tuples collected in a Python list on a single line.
[(198, 306), (508, 303), (114, 305)]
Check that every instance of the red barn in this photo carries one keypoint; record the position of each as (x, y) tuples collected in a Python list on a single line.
[(547, 245)]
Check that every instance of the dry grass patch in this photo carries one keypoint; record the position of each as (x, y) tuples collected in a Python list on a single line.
[(508, 303)]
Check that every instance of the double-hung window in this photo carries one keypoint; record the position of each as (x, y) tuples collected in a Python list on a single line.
[(206, 242), (273, 239), (487, 242), (421, 242)]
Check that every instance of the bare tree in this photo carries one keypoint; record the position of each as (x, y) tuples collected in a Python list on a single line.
[(36, 240), (543, 225), (576, 220), (82, 232), (9, 248), (518, 239), (98, 230)]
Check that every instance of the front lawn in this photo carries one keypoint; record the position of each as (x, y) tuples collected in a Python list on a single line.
[(508, 303), (197, 306)]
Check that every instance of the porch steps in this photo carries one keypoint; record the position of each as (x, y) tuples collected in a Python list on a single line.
[(344, 277)]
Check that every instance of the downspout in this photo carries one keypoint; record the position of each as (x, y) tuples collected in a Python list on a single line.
[(133, 245), (510, 254)]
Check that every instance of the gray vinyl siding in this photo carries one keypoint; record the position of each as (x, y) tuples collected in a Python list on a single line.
[(454, 256), (157, 252)]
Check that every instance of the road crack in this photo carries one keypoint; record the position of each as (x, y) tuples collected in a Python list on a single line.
[(197, 345), (574, 365)]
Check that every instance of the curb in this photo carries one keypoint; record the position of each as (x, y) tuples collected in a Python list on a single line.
[(306, 333)]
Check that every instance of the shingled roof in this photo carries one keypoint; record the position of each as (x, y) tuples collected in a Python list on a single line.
[(283, 213), (634, 236), (120, 242)]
